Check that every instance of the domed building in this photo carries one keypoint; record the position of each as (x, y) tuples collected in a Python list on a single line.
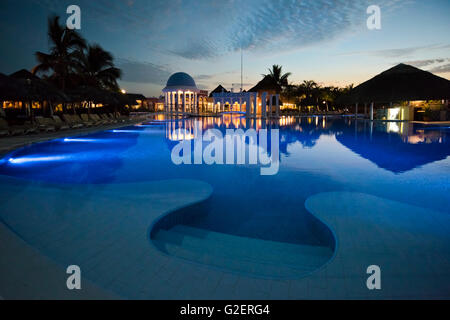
[(181, 94)]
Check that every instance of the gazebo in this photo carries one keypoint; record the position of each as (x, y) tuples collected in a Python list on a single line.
[(181, 94), (400, 83)]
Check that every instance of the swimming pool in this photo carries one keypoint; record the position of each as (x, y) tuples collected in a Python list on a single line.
[(250, 224)]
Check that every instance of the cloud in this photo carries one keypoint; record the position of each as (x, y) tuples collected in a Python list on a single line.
[(441, 69), (438, 65), (425, 63), (201, 77), (205, 29), (143, 72), (399, 52)]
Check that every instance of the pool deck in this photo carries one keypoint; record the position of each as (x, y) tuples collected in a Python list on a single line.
[(91, 228), (27, 274)]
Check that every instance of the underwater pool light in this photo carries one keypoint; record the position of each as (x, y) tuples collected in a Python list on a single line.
[(79, 140), (35, 159)]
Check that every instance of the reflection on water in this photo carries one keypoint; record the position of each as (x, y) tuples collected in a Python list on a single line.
[(394, 146)]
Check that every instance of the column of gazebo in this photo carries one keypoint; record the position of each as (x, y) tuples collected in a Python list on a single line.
[(264, 105), (255, 106)]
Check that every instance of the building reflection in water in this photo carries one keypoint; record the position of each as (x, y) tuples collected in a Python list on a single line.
[(394, 146)]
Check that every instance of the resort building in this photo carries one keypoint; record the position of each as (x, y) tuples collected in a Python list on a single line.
[(155, 104), (261, 100), (181, 94)]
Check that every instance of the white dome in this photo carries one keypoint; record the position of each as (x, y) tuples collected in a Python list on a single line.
[(180, 81)]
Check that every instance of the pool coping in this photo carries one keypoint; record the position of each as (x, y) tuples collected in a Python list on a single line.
[(11, 143)]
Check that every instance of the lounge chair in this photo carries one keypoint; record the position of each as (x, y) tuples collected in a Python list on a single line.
[(121, 118), (106, 118), (100, 119), (111, 117), (6, 129), (72, 122), (97, 118), (77, 119), (86, 121), (30, 128), (45, 124), (60, 124)]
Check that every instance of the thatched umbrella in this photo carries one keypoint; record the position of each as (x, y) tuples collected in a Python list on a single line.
[(400, 83), (37, 89), (10, 88)]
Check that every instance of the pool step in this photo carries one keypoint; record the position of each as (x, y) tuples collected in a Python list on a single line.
[(232, 264), (241, 249), (241, 254), (252, 243)]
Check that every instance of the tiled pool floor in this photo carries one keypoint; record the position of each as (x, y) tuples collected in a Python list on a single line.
[(86, 225)]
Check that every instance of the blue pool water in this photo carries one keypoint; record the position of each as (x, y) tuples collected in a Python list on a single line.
[(399, 161)]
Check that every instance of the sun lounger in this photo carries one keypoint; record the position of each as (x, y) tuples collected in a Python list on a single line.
[(60, 124), (97, 119), (77, 119), (101, 119), (105, 118), (111, 117), (6, 129), (72, 122), (30, 128), (121, 118), (87, 122), (45, 124)]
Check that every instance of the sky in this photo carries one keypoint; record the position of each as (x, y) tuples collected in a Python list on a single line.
[(327, 41)]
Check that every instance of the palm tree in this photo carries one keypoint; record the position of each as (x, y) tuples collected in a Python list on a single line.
[(95, 68), (62, 57), (277, 75), (309, 85), (309, 91)]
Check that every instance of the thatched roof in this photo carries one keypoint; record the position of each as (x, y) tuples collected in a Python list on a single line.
[(400, 83), (266, 84), (24, 86), (10, 88), (219, 89), (23, 74), (136, 96)]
